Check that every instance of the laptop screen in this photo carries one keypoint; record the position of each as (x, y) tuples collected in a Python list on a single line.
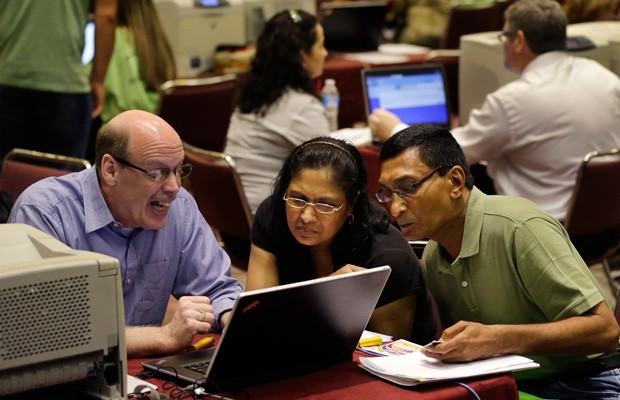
[(417, 94)]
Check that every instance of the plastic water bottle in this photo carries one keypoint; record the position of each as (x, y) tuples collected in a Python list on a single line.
[(331, 100)]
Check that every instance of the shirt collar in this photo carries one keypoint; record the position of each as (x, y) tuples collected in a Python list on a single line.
[(96, 211), (473, 223), (544, 60)]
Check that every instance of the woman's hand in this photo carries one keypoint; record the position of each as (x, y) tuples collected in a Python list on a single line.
[(347, 269)]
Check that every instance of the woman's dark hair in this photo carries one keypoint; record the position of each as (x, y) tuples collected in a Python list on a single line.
[(278, 63), (348, 173)]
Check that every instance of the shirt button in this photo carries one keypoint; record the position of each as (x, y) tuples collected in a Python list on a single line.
[(464, 283), (128, 281)]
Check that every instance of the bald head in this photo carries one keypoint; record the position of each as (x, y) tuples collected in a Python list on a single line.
[(130, 131)]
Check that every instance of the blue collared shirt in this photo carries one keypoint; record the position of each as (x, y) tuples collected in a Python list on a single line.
[(183, 258)]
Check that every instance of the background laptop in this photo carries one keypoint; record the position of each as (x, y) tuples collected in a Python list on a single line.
[(353, 25), (284, 331), (417, 94)]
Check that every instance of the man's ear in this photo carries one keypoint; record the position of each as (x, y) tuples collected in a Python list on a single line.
[(109, 172), (457, 179), (519, 43)]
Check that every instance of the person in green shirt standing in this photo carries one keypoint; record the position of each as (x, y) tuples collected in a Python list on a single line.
[(47, 100)]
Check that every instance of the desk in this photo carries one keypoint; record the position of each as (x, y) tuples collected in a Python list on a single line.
[(348, 381), (348, 77)]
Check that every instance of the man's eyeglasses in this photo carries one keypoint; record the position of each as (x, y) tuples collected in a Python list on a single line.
[(502, 36), (406, 190), (319, 207), (161, 173)]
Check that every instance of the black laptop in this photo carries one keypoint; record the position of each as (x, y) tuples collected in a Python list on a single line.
[(417, 94), (284, 331), (353, 25)]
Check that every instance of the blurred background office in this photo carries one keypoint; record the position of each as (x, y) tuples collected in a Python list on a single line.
[(590, 10)]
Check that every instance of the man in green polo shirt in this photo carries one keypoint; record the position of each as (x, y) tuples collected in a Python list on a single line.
[(504, 273)]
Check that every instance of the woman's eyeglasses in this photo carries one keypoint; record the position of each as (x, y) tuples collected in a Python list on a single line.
[(319, 207)]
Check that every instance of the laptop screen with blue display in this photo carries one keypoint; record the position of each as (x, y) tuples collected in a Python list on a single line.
[(417, 94)]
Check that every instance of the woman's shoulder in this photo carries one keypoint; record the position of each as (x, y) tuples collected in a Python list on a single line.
[(294, 98)]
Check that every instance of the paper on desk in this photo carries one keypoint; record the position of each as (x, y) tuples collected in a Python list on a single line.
[(374, 57), (370, 334), (358, 136), (416, 368), (402, 49), (133, 382)]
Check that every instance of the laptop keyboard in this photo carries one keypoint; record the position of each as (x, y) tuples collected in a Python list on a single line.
[(199, 367)]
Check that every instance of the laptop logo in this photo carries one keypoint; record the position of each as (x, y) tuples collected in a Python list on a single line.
[(251, 306)]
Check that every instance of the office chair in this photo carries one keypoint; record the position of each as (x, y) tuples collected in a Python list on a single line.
[(199, 109), (217, 189), (466, 20), (21, 168), (593, 218)]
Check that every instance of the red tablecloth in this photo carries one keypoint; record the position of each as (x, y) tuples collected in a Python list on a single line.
[(348, 77), (348, 381)]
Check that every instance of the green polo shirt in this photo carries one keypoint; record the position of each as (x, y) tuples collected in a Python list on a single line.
[(41, 45), (516, 266)]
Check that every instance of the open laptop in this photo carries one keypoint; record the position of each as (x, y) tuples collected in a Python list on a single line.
[(417, 94), (353, 25), (284, 331)]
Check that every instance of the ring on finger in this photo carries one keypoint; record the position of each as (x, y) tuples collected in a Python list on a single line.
[(203, 315)]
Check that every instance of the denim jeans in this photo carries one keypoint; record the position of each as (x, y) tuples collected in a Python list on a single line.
[(603, 386)]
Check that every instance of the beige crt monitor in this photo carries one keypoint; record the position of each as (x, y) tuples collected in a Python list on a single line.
[(62, 317), (481, 64)]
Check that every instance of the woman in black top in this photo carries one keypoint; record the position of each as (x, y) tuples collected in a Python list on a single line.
[(319, 221)]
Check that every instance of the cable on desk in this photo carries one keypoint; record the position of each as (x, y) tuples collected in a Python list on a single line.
[(468, 388)]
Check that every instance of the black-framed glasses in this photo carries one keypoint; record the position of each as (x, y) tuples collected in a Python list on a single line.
[(158, 174), (406, 190), (322, 208), (502, 36)]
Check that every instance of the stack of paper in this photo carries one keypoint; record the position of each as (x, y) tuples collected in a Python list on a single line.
[(415, 368)]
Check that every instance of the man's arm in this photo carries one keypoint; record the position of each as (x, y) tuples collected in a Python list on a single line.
[(193, 316), (595, 331), (105, 24)]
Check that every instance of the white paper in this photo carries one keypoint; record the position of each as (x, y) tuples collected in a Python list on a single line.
[(358, 136), (416, 368), (402, 49), (374, 57), (370, 334), (133, 382)]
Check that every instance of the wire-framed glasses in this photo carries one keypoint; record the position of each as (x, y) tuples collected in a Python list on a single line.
[(322, 208), (158, 174), (407, 189), (502, 36)]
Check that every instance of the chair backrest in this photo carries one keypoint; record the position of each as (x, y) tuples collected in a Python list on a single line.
[(595, 204), (500, 7), (199, 109), (466, 20), (21, 168), (217, 189), (373, 168)]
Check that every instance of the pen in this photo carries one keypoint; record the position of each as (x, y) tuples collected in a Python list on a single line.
[(373, 341), (201, 344)]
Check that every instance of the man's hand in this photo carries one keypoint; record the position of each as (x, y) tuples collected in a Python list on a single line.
[(193, 316), (465, 341), (347, 269), (382, 122)]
